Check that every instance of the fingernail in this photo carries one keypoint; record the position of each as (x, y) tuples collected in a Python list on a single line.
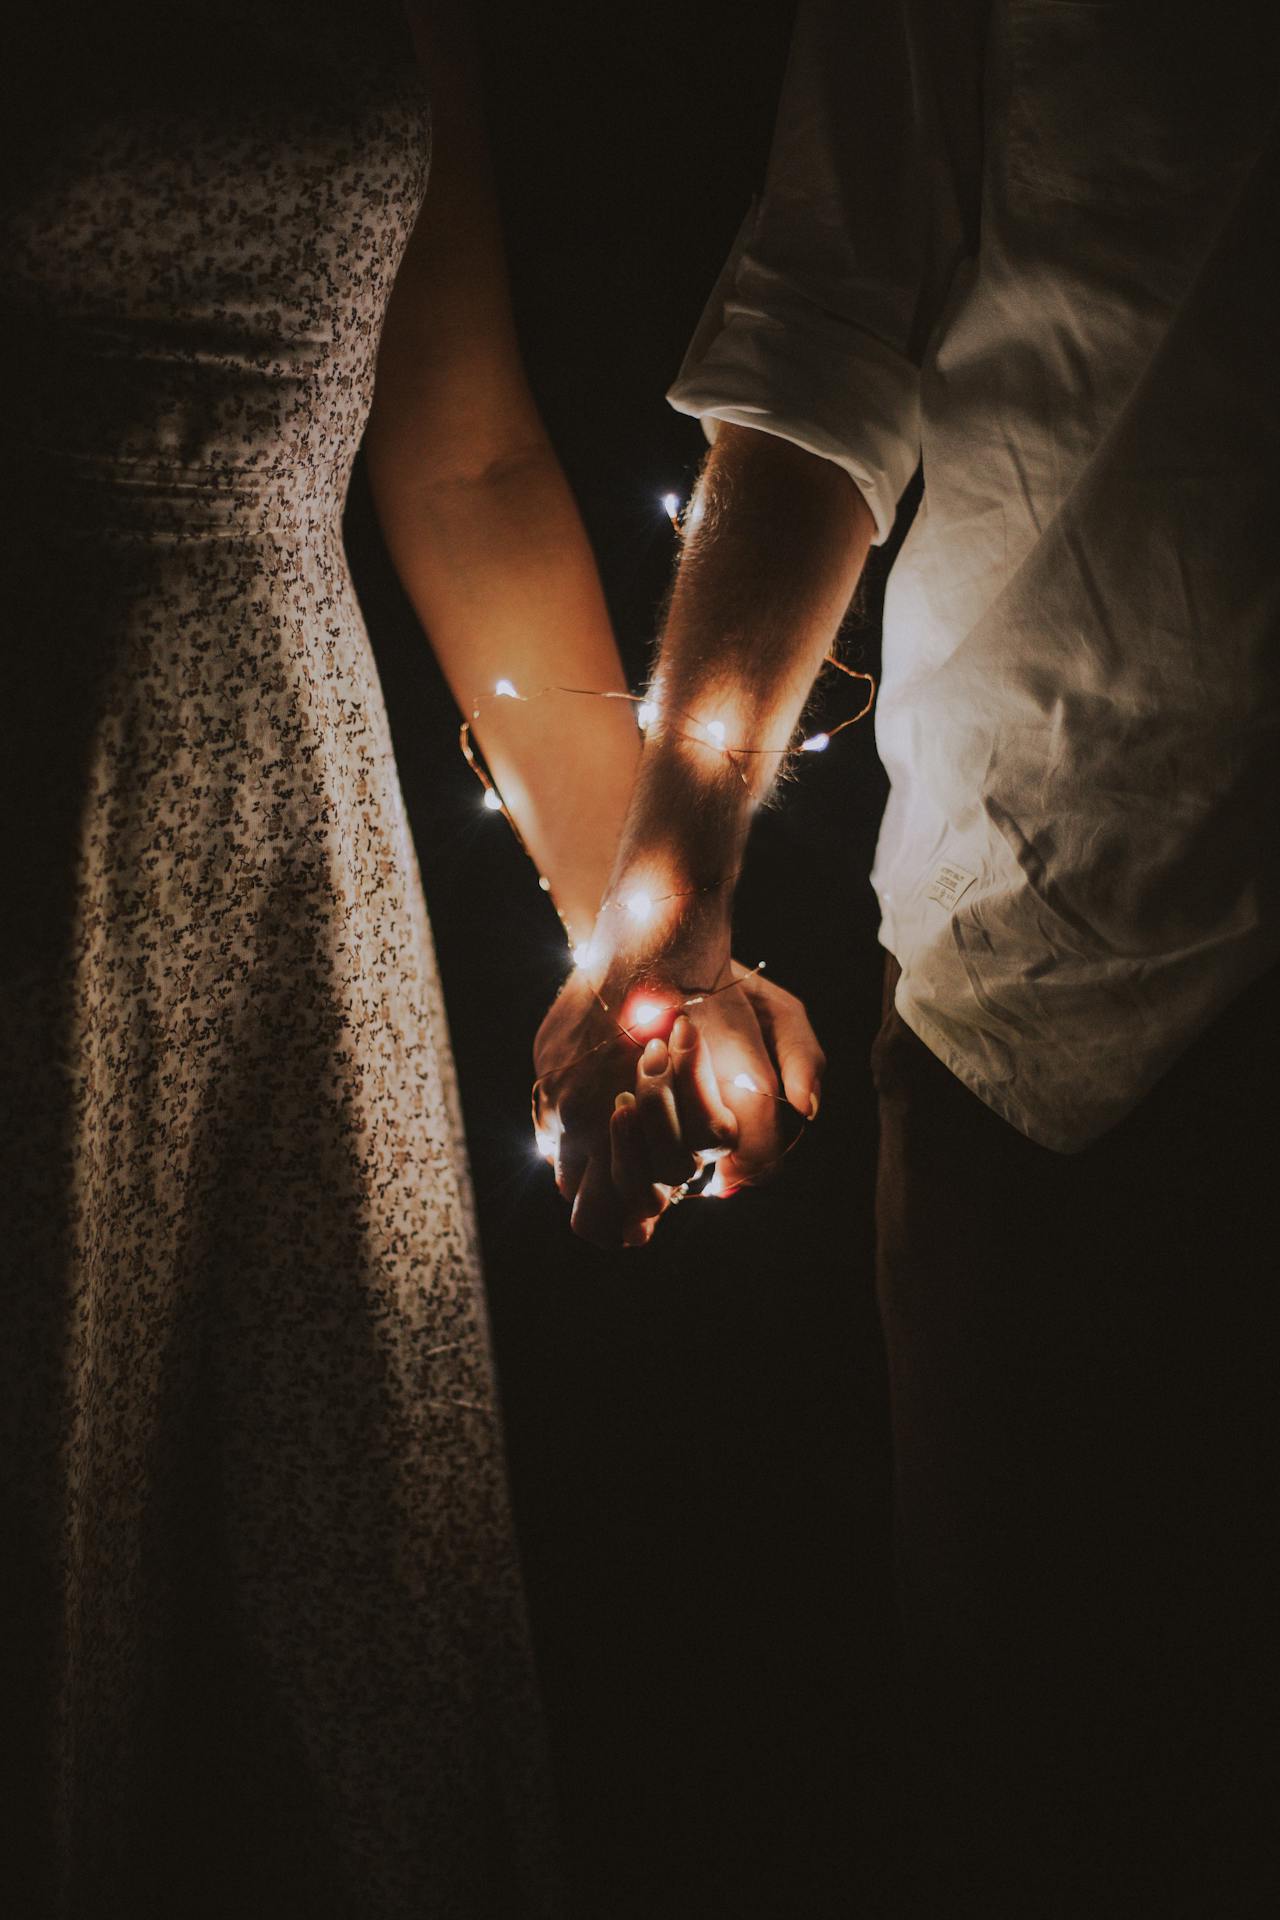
[(814, 1100), (654, 1057), (683, 1035)]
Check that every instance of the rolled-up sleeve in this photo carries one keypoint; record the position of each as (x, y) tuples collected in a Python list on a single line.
[(818, 325)]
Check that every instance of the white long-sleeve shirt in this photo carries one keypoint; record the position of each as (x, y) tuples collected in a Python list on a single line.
[(1026, 242)]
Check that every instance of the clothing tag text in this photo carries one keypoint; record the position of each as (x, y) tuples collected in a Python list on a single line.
[(947, 885)]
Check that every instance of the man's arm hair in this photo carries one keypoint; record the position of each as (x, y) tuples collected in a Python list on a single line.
[(776, 539)]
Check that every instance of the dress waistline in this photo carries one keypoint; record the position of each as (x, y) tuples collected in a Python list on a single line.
[(105, 495)]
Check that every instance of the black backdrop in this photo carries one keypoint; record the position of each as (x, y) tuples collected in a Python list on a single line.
[(697, 1432)]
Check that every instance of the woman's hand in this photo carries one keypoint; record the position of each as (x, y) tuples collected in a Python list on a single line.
[(632, 1100)]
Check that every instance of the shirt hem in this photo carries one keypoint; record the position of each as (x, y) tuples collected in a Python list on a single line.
[(990, 1095)]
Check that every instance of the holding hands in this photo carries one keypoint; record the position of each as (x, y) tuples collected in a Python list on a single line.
[(662, 1052), (640, 1090)]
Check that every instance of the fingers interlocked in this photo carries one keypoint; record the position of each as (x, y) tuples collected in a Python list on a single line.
[(719, 1087), (659, 1134)]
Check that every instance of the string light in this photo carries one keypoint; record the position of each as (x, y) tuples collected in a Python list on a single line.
[(640, 904), (547, 1134), (709, 732), (637, 1018), (644, 1013)]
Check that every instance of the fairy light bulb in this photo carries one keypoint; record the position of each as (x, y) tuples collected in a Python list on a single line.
[(546, 1138), (505, 688), (745, 1081), (716, 1187), (644, 1012), (493, 800), (816, 743), (671, 506), (639, 905), (715, 731), (646, 714), (582, 953)]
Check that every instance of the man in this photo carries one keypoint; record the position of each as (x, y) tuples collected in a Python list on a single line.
[(1022, 243)]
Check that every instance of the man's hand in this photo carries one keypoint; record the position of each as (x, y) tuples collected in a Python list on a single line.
[(633, 1099), (774, 543)]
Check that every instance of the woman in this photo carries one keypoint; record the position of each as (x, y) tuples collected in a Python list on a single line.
[(266, 1652)]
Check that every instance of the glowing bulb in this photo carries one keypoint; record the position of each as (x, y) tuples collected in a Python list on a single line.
[(715, 1189), (816, 743), (646, 714), (546, 1141), (715, 732), (640, 906), (505, 688), (671, 505), (646, 1013), (745, 1081), (493, 799), (544, 883), (582, 954)]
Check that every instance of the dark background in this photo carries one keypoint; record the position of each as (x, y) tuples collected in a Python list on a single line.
[(697, 1432)]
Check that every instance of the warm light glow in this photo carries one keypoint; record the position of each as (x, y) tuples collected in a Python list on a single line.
[(671, 505), (645, 1014)]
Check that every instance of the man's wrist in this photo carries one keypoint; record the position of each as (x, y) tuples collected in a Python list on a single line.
[(684, 946)]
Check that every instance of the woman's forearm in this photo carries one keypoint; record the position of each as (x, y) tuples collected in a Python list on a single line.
[(476, 512), (498, 568)]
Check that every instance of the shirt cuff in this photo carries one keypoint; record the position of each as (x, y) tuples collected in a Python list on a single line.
[(787, 367)]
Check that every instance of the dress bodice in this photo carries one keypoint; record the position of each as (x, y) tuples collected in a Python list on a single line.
[(199, 241)]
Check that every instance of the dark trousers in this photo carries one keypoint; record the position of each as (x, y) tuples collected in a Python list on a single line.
[(1082, 1364)]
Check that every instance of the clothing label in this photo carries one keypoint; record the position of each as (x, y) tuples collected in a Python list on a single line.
[(947, 885)]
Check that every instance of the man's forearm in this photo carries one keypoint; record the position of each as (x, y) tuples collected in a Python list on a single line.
[(776, 539)]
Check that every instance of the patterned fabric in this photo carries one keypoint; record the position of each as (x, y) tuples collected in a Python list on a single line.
[(266, 1651)]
